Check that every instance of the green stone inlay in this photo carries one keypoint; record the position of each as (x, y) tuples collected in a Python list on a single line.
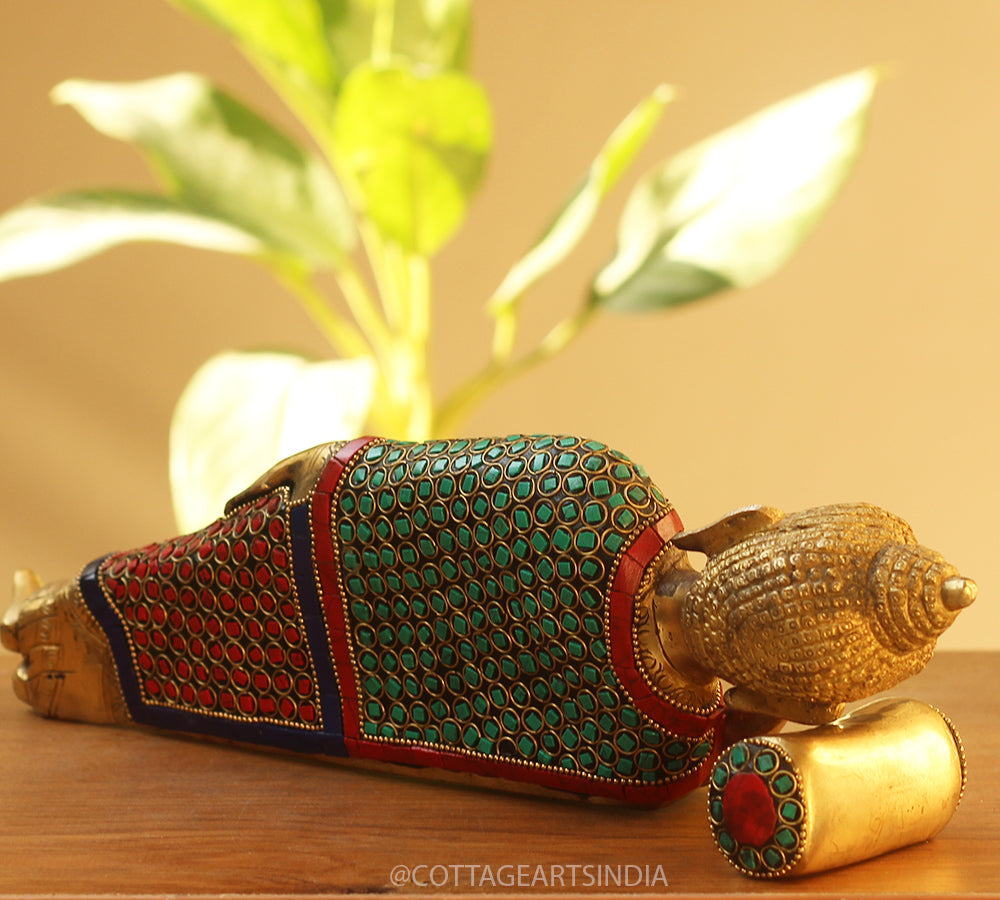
[(700, 751), (749, 859), (523, 489), (492, 475), (738, 755), (569, 511), (608, 698), (790, 811), (490, 669), (647, 761), (783, 784), (726, 841), (562, 540), (601, 488), (773, 858), (787, 838), (594, 513), (652, 737), (539, 462), (519, 695), (625, 519), (387, 556), (625, 766), (607, 723), (516, 467), (637, 495), (470, 550), (765, 762), (626, 742)]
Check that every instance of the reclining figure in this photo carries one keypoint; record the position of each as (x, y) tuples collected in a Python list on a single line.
[(521, 608)]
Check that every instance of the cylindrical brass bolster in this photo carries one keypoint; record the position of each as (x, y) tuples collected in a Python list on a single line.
[(887, 775)]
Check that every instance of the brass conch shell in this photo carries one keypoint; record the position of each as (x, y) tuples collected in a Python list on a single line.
[(807, 611)]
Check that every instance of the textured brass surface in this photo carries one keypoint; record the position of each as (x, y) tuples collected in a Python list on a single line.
[(67, 671), (888, 775), (807, 611)]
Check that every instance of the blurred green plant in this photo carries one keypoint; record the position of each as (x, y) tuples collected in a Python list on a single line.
[(401, 133)]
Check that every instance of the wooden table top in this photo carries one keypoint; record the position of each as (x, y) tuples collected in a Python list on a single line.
[(90, 810)]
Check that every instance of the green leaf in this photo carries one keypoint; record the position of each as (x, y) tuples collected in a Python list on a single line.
[(576, 216), (46, 235), (221, 159), (733, 209), (287, 34), (432, 34), (243, 412), (416, 146)]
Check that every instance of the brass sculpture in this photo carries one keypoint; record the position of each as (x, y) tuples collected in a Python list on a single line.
[(519, 608)]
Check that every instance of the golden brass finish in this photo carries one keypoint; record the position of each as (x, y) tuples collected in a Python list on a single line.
[(805, 612), (67, 671), (888, 775), (299, 471), (660, 649)]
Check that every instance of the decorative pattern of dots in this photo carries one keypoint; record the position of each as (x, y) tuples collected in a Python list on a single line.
[(213, 623), (780, 844), (475, 577)]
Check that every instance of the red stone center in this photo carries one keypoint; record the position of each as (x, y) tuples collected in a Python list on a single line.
[(748, 809)]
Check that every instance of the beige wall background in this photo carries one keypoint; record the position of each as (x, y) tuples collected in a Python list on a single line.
[(868, 369)]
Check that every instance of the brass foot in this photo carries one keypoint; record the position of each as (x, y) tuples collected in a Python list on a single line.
[(66, 670)]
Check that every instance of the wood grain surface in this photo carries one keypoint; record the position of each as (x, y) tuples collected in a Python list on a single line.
[(93, 810)]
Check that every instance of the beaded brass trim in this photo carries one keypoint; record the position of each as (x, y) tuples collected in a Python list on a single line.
[(661, 676)]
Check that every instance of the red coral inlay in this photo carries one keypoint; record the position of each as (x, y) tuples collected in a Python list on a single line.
[(225, 599), (748, 809)]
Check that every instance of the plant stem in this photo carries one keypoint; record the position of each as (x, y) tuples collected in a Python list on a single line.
[(363, 308), (421, 406), (382, 29), (341, 334), (498, 372)]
